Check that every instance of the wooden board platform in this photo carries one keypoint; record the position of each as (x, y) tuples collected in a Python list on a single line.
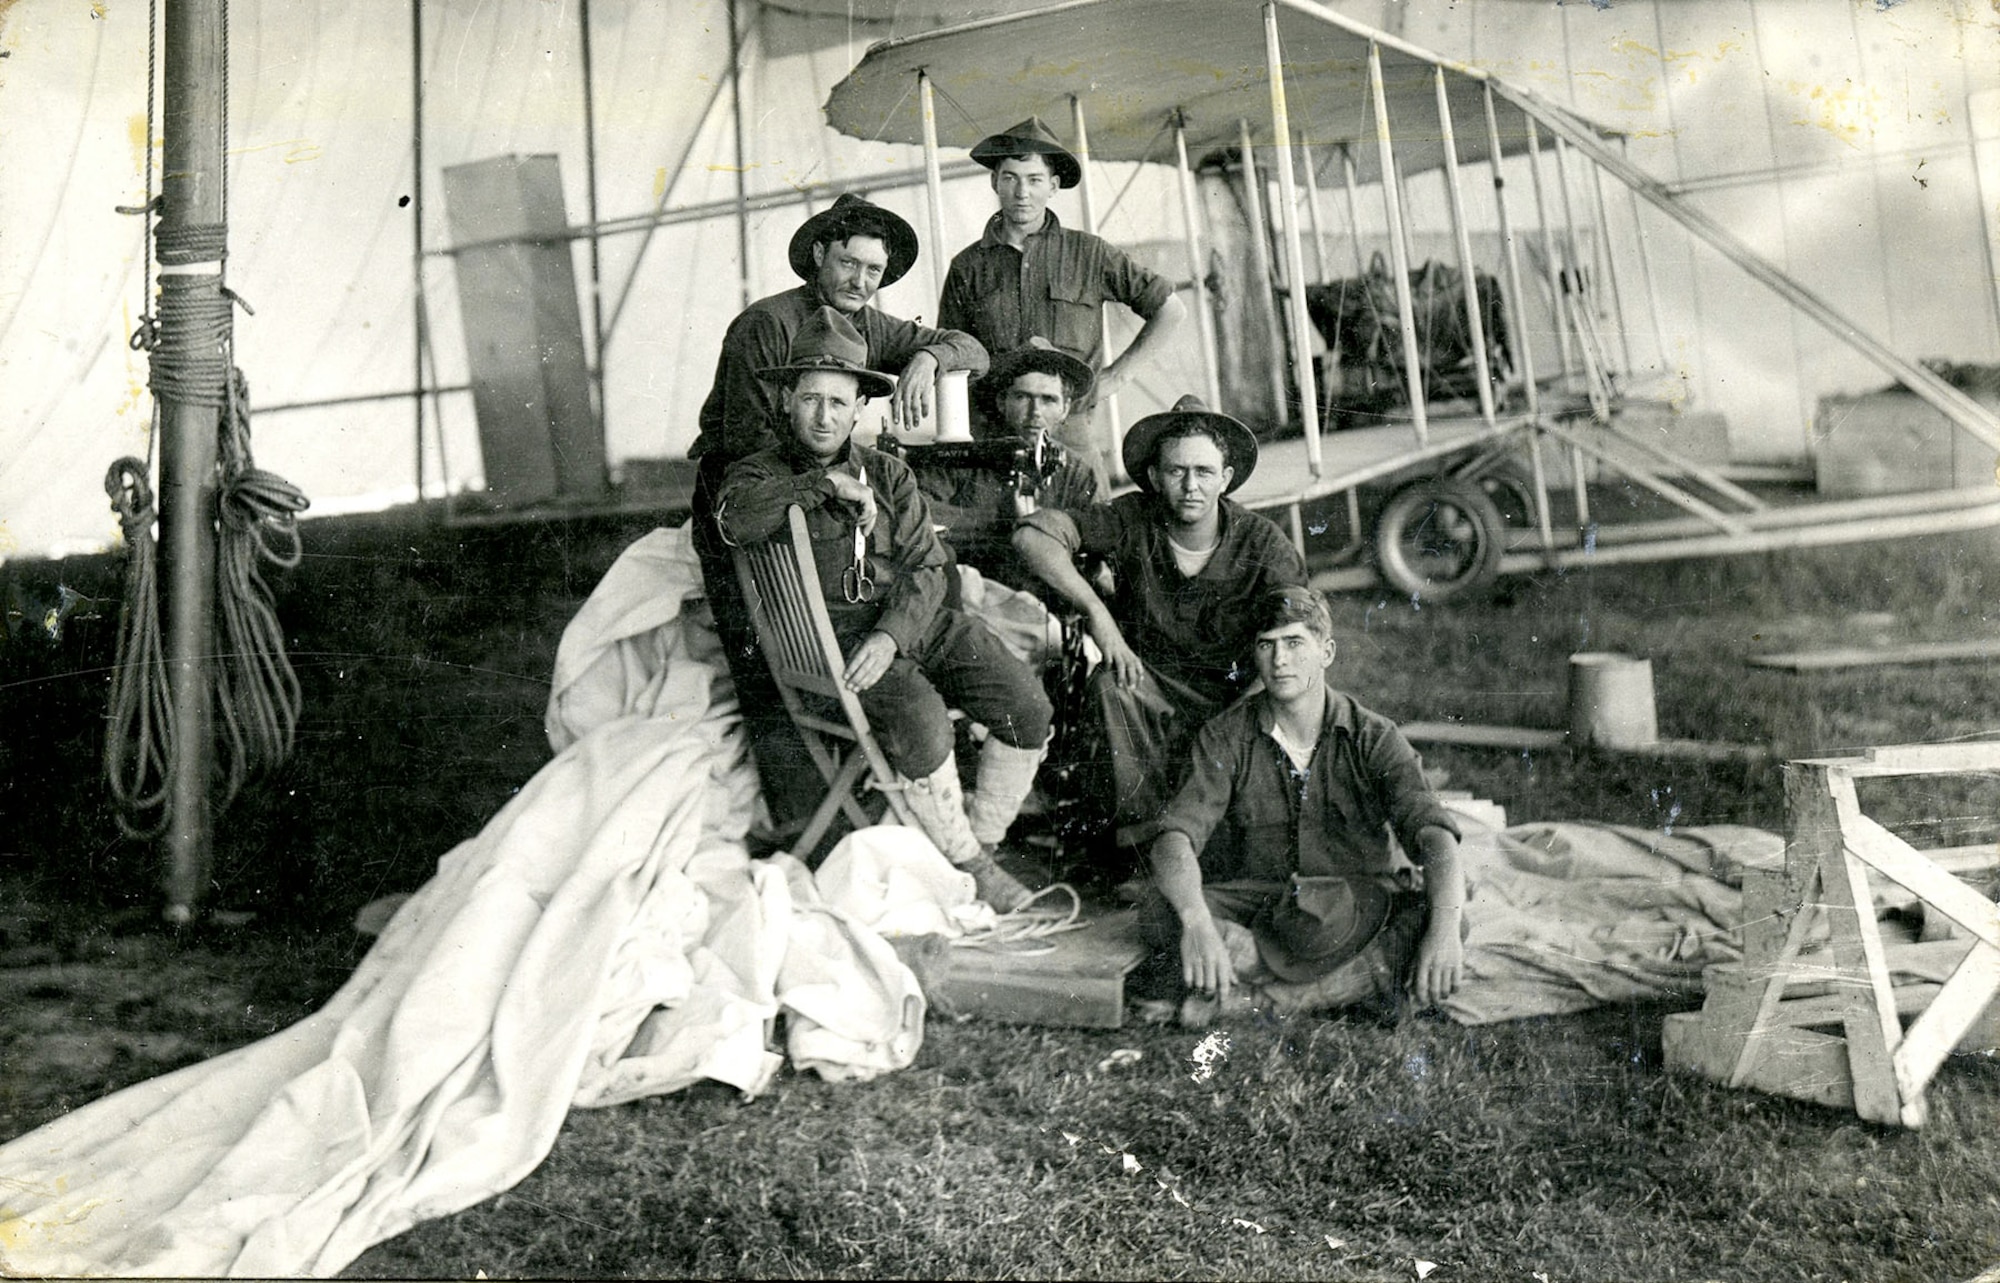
[(1079, 982)]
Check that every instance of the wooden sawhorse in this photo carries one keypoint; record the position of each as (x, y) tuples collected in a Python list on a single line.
[(1817, 1013)]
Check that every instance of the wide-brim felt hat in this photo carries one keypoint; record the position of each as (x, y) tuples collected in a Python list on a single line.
[(1321, 923), (829, 341), (1030, 138), (1036, 356), (1239, 443), (854, 214)]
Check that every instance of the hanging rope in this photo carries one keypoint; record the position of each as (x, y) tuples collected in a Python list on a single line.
[(257, 692), (189, 345), (139, 737)]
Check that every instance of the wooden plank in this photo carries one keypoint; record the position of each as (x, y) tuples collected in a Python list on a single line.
[(1950, 1015), (1938, 758), (1773, 990), (1855, 941), (1874, 1030), (1812, 661), (1483, 736), (1079, 981), (1884, 851), (1477, 735), (1797, 1063)]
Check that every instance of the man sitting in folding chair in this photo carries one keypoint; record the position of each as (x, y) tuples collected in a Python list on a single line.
[(882, 572)]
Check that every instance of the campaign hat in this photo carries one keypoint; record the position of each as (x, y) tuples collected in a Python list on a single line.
[(1320, 923), (1142, 441), (829, 341), (853, 214), (1029, 138), (1036, 356)]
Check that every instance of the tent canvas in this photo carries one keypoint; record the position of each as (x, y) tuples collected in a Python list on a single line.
[(1837, 142)]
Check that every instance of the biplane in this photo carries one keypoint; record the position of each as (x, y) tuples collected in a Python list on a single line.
[(1461, 419)]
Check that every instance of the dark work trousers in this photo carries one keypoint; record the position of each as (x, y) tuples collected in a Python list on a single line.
[(1375, 975), (1147, 730), (958, 664), (792, 785)]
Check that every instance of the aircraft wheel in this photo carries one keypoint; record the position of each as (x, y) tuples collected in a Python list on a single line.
[(1439, 538)]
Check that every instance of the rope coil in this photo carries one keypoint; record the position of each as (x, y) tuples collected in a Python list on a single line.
[(189, 361), (182, 244), (139, 735)]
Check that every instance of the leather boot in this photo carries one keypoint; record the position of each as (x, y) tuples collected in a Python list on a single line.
[(1006, 775), (939, 807)]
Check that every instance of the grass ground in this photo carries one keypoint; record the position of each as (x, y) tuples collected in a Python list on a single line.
[(1321, 1149)]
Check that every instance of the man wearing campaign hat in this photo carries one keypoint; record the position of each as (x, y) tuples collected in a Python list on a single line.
[(843, 255), (882, 574), (1189, 564), (1028, 392), (1027, 274), (1284, 826)]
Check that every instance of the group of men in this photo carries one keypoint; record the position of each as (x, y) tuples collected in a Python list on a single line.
[(1259, 795)]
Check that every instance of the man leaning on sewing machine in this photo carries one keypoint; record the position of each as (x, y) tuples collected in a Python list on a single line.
[(978, 489)]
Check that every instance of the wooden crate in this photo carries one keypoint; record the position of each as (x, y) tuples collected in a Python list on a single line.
[(1076, 979)]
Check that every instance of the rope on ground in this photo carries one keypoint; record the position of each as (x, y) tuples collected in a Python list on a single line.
[(139, 734), (1022, 927)]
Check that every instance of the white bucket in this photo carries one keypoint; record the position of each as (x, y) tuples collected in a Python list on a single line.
[(1611, 701)]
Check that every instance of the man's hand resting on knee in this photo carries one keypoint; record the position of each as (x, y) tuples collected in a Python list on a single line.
[(869, 661)]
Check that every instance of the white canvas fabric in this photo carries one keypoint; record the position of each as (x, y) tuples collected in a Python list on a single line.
[(605, 937)]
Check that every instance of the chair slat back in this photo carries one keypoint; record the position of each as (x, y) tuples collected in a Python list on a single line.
[(788, 609)]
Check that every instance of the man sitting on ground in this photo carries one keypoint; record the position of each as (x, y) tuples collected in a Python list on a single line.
[(1189, 564), (1026, 395), (882, 572), (1283, 826)]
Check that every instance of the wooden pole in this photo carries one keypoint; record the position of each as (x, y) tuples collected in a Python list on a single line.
[(933, 182), (1611, 277), (421, 317), (1399, 250), (1113, 429), (590, 196), (1295, 259), (1523, 352), (742, 162), (1260, 266), (1347, 180), (1551, 262), (1317, 210), (1475, 325), (195, 98), (1197, 266)]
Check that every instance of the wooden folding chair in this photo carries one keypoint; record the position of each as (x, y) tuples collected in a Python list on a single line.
[(781, 582)]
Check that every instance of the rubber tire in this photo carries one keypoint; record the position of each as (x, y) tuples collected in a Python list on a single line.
[(1513, 495), (1463, 537)]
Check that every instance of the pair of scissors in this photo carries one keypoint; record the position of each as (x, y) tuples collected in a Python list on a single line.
[(856, 584)]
